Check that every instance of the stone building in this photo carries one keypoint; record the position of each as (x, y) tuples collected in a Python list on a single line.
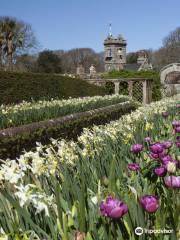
[(170, 79), (115, 53), (115, 56), (142, 56), (142, 63)]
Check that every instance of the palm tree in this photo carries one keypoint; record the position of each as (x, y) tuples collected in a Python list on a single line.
[(16, 35), (10, 29)]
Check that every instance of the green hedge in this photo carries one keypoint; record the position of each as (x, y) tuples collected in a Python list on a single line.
[(28, 112), (11, 147), (15, 87), (156, 93)]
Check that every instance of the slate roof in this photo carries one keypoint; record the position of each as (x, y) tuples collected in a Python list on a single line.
[(132, 66)]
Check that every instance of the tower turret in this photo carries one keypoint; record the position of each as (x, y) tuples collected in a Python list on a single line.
[(115, 52)]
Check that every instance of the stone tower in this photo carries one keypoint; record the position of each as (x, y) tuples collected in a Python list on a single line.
[(115, 52)]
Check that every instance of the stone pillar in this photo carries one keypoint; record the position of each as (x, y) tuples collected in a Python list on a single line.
[(116, 90), (80, 72), (147, 91), (130, 88), (92, 71)]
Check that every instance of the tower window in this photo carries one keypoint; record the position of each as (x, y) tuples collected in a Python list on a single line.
[(119, 50), (120, 56), (109, 52)]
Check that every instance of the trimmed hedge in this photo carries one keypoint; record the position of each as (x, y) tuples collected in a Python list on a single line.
[(13, 144), (156, 87), (28, 112), (16, 87)]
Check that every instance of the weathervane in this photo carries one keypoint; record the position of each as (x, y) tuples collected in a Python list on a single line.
[(110, 29)]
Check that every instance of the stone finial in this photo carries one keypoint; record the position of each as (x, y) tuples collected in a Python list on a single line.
[(92, 71)]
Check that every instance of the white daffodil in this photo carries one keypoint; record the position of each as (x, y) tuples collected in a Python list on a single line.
[(11, 171), (23, 194)]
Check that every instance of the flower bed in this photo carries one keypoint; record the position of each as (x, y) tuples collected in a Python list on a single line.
[(28, 112), (115, 178), (14, 140)]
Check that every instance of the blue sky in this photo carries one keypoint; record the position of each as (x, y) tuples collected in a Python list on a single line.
[(67, 24)]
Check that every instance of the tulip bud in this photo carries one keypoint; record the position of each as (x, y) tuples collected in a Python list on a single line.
[(177, 129), (172, 181), (165, 114), (79, 236), (136, 148), (105, 181), (171, 167)]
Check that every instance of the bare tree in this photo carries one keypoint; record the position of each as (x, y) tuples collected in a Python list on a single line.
[(173, 39), (85, 56), (26, 63), (170, 51)]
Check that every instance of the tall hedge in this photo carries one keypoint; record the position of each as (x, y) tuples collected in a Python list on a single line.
[(15, 87), (156, 92)]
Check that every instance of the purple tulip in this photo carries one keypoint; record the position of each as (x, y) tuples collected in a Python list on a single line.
[(178, 138), (172, 181), (178, 144), (156, 148), (149, 203), (177, 163), (178, 141), (147, 139), (136, 148), (165, 114), (160, 171), (177, 129), (165, 159), (113, 208), (176, 123), (163, 154), (167, 144), (133, 166), (178, 106), (153, 156)]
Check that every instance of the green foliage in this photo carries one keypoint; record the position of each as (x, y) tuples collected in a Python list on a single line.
[(132, 57), (28, 112), (11, 147), (55, 192), (49, 62), (15, 87), (156, 93)]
